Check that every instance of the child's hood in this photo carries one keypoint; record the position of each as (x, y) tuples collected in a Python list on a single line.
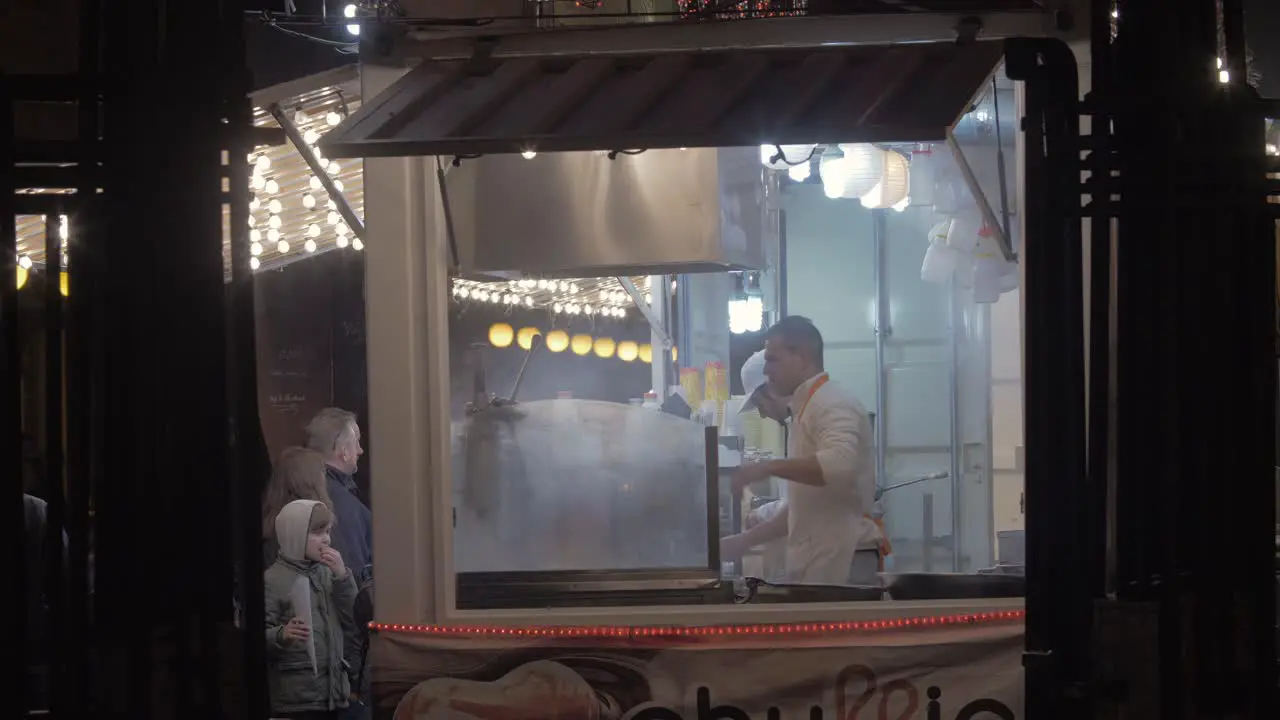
[(293, 525)]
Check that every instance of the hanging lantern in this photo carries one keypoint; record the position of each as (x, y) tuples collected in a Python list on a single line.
[(500, 335), (864, 168), (525, 337), (833, 171), (604, 347), (627, 351), (792, 156), (893, 185), (557, 341), (646, 353), (581, 344)]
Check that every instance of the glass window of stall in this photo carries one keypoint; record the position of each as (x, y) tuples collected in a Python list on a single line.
[(890, 251)]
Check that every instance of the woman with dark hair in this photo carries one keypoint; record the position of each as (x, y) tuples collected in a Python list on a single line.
[(298, 475)]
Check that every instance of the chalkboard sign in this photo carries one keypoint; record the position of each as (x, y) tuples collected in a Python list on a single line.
[(295, 367)]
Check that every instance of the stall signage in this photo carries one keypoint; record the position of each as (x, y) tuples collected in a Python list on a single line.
[(947, 674)]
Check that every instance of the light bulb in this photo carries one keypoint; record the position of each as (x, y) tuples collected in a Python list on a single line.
[(557, 308), (274, 222), (316, 184), (334, 167), (529, 154), (313, 230), (255, 236), (319, 156), (282, 246), (337, 185), (332, 118), (357, 244), (24, 262), (263, 162), (572, 309), (341, 229), (903, 204), (353, 29), (310, 137), (254, 263), (342, 242), (275, 207), (255, 203), (349, 11), (252, 221), (310, 244), (334, 218), (528, 301), (588, 310), (272, 187), (542, 283), (573, 288), (308, 201), (564, 286), (255, 249), (463, 293), (300, 117), (604, 296), (273, 235), (257, 182), (331, 204)]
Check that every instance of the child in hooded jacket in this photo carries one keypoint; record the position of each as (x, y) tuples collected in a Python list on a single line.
[(306, 565)]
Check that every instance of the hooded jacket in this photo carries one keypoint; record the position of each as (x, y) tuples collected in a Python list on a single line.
[(294, 684)]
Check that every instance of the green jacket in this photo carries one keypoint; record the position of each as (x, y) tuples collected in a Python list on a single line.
[(294, 685)]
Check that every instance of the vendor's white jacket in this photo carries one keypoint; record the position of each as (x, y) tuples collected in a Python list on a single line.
[(827, 524)]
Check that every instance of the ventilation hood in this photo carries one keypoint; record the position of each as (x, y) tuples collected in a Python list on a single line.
[(580, 214)]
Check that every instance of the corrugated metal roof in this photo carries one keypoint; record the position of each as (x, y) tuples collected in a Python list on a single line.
[(908, 92)]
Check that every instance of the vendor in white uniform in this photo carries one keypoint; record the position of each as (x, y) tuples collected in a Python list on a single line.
[(830, 465)]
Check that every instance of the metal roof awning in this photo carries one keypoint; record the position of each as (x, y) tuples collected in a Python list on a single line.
[(881, 93)]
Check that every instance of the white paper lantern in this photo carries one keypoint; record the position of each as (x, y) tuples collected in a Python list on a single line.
[(964, 232), (864, 169), (893, 185), (939, 260), (791, 155), (834, 172)]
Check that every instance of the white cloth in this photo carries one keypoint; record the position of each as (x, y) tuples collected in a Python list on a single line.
[(827, 523)]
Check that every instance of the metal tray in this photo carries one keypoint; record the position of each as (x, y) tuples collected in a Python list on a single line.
[(954, 586)]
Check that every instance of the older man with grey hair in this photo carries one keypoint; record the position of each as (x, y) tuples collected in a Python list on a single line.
[(335, 434)]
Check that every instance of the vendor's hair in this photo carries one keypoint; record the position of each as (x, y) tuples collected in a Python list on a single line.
[(321, 518), (799, 334), (298, 475), (330, 429)]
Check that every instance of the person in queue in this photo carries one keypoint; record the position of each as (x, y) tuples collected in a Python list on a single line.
[(335, 435), (829, 468), (298, 474)]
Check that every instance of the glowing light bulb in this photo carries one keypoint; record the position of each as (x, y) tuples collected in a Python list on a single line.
[(274, 222), (282, 246), (308, 201), (255, 249), (528, 301), (331, 205), (310, 137), (337, 185), (252, 221), (310, 245), (300, 117), (257, 182), (341, 229), (313, 230), (342, 242), (275, 207), (263, 162), (332, 118), (315, 183), (357, 244), (799, 173), (334, 167), (573, 288), (354, 29), (529, 154), (334, 218), (272, 187), (557, 308), (255, 236), (254, 263), (273, 235), (24, 262), (255, 203)]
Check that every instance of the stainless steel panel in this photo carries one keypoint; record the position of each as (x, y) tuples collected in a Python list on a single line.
[(557, 485), (581, 213)]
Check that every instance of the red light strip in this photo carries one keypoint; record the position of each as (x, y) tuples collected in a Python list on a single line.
[(625, 631)]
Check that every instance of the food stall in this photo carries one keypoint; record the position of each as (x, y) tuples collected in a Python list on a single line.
[(559, 558)]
